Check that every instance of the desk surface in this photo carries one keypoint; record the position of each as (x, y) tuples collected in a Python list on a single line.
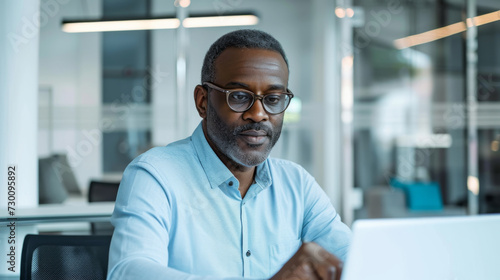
[(51, 213)]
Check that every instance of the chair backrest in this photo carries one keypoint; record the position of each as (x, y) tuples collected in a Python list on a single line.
[(51, 187), (56, 179), (102, 191), (67, 257), (66, 173)]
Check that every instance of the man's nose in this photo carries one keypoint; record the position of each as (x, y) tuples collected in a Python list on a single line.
[(256, 113)]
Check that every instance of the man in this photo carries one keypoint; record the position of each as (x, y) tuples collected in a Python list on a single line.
[(214, 206)]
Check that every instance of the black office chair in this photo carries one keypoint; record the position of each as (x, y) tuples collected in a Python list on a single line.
[(98, 192), (103, 191), (65, 257)]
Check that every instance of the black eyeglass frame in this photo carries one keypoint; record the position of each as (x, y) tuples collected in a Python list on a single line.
[(255, 97)]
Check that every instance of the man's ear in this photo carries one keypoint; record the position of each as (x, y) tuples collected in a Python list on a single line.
[(200, 100)]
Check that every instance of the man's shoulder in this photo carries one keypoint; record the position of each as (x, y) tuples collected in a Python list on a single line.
[(287, 168), (175, 152), (283, 163)]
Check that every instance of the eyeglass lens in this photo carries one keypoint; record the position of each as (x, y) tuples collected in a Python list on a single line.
[(273, 103)]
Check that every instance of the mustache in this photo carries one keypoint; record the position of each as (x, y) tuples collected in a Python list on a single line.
[(253, 126)]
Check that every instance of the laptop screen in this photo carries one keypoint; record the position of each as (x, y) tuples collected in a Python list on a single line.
[(445, 248)]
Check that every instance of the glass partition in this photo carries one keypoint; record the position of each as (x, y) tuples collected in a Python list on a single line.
[(412, 120)]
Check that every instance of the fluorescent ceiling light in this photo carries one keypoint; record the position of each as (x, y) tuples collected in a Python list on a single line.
[(120, 25), (446, 31), (167, 22), (484, 19), (430, 36), (214, 21)]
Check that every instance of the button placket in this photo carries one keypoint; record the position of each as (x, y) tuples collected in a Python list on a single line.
[(244, 235)]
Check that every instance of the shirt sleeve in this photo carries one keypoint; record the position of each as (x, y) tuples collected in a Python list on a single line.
[(142, 219), (322, 224)]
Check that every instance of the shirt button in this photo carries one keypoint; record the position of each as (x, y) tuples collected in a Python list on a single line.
[(249, 253), (230, 183)]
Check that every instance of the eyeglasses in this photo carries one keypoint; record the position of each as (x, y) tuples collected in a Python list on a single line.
[(241, 100)]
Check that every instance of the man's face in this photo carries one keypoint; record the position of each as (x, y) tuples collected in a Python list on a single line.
[(245, 139)]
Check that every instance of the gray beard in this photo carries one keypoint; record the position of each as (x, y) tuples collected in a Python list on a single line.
[(225, 139)]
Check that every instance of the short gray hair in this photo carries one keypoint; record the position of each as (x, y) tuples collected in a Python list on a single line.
[(245, 38)]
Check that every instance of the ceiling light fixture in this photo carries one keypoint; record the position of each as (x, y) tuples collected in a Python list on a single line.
[(170, 22), (119, 25), (215, 21), (430, 36), (446, 31)]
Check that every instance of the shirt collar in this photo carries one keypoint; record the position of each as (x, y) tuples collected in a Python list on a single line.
[(217, 173)]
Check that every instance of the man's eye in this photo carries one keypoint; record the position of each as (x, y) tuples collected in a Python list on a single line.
[(239, 96), (273, 99)]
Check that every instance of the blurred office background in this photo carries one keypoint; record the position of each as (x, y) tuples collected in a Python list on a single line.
[(390, 125)]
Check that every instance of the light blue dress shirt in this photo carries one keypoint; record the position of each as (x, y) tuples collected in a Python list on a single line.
[(179, 215)]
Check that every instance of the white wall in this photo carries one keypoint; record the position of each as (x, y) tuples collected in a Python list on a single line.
[(163, 93), (18, 111), (70, 68)]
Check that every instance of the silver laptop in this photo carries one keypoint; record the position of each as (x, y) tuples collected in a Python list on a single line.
[(450, 248)]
